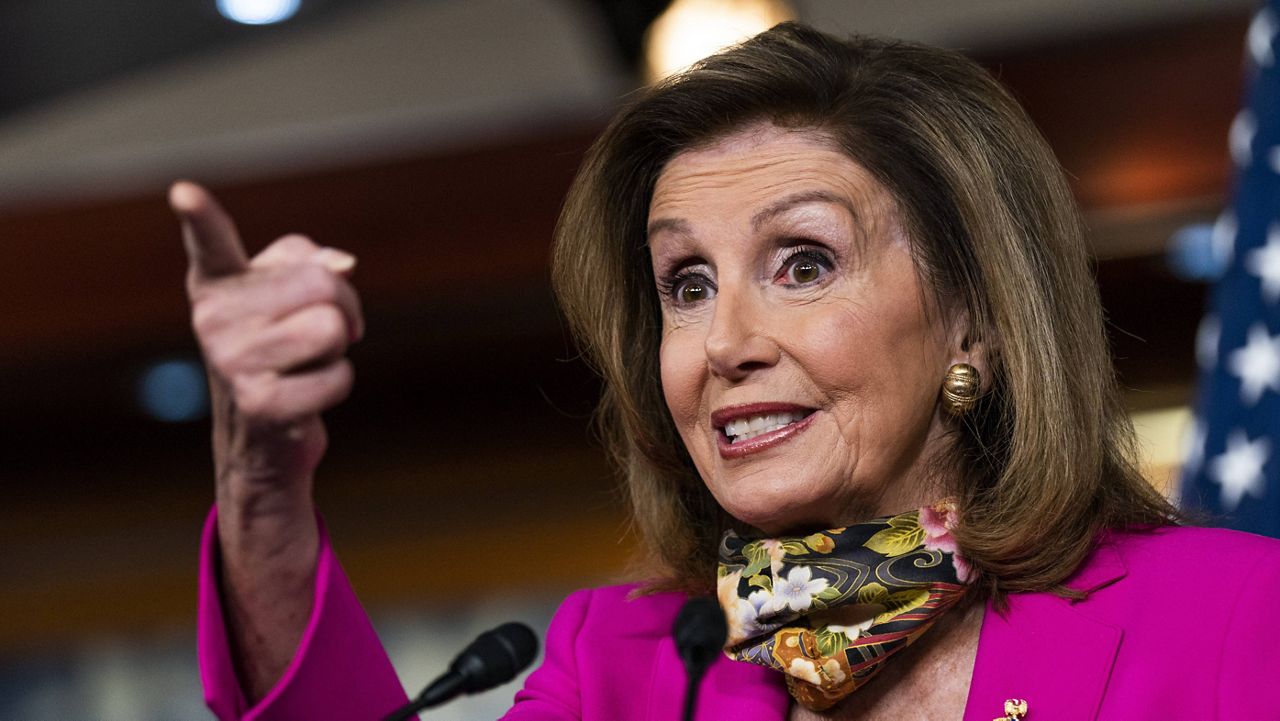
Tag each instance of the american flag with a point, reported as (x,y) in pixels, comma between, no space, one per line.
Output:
(1232,469)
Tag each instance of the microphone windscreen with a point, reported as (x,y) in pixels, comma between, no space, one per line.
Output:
(700,633)
(496,656)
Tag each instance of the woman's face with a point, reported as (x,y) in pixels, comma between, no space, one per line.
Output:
(801,360)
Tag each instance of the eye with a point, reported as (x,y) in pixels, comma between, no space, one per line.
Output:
(805,271)
(689,288)
(804,267)
(692,291)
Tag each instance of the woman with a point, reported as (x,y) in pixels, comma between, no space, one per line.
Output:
(857,379)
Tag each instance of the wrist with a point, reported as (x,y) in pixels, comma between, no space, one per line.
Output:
(271,526)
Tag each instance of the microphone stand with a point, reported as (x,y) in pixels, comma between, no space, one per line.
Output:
(442,689)
(494,658)
(691,697)
(699,632)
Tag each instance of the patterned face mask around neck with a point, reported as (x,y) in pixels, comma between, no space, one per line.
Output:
(828,609)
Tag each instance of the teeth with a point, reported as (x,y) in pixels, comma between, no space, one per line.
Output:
(742,429)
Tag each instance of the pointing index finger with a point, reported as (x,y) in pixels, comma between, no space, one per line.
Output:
(208,233)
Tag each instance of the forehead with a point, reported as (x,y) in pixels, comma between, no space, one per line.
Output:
(761,163)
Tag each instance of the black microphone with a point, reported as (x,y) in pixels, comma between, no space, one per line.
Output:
(494,658)
(700,632)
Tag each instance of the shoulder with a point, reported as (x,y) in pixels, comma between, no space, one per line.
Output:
(1191,538)
(1182,550)
(1142,575)
(1206,589)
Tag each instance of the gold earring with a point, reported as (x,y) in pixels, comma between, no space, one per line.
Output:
(960,389)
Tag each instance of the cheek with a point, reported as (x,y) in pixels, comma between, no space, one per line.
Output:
(838,351)
(680,368)
(874,364)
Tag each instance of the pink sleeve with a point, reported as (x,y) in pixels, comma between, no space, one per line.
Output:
(340,671)
(551,693)
(1250,665)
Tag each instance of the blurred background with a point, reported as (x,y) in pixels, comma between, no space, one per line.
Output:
(435,139)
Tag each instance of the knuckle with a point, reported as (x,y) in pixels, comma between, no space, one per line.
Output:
(293,245)
(343,380)
(284,251)
(206,317)
(329,325)
(346,372)
(254,395)
(222,359)
(317,282)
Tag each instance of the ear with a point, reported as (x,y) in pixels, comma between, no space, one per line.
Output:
(973,344)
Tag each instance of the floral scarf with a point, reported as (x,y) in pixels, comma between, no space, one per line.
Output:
(828,609)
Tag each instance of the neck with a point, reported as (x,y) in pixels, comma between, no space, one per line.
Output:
(930,679)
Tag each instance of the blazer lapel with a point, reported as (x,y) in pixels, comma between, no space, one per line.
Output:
(1048,651)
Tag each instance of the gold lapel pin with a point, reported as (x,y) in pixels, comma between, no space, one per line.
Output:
(1015,709)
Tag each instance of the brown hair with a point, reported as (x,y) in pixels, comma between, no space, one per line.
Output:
(1046,460)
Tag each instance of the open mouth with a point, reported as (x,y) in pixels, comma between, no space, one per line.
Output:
(740,430)
(749,428)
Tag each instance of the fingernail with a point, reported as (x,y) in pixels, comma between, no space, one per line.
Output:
(336,260)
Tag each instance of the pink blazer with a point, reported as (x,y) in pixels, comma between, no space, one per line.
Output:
(1179,623)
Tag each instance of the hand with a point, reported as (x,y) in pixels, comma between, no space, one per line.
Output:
(274,331)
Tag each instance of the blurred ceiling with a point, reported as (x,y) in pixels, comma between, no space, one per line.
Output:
(110,99)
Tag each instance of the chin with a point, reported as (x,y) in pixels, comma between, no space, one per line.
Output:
(787,515)
(780,521)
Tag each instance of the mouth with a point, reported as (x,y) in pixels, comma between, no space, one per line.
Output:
(754,427)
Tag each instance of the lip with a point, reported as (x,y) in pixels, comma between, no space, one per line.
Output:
(723,416)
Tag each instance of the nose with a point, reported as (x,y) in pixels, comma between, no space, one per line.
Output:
(738,340)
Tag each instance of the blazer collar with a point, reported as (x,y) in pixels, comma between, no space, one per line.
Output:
(1048,650)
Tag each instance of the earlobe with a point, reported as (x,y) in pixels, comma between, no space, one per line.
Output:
(968,377)
(961,389)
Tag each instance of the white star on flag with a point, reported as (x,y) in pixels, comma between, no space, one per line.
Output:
(1264,262)
(1257,364)
(1261,32)
(1239,470)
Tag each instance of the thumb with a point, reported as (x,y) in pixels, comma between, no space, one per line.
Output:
(208,233)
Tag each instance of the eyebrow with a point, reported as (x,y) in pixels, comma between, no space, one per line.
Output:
(675,225)
(791,201)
